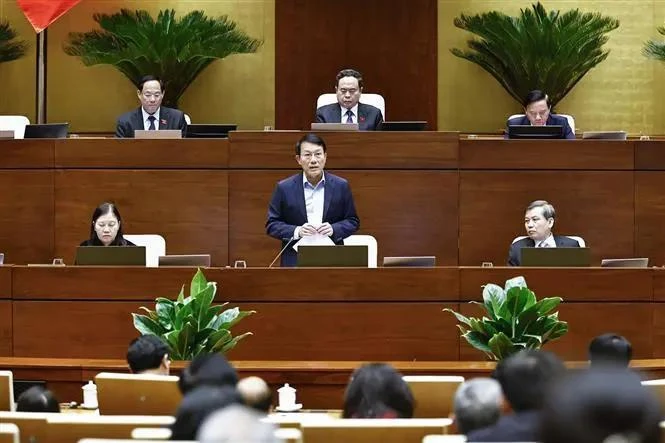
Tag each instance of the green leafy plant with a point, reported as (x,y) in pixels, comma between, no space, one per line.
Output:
(551,51)
(191,325)
(515,320)
(176,50)
(654,49)
(10,47)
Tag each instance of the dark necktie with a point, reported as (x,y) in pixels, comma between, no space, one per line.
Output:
(152,123)
(349,116)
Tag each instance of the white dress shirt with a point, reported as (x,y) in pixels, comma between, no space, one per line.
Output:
(354,117)
(547,243)
(314,199)
(146,122)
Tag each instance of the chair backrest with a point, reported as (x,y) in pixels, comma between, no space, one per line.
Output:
(290,421)
(6,391)
(453,438)
(188,119)
(70,428)
(579,240)
(288,435)
(658,388)
(16,123)
(31,425)
(365,240)
(375,100)
(433,394)
(151,434)
(571,120)
(137,394)
(398,430)
(9,433)
(155,246)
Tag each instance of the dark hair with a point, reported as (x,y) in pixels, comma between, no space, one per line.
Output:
(536,96)
(349,73)
(377,390)
(146,352)
(37,399)
(548,209)
(525,377)
(310,138)
(103,209)
(610,349)
(595,405)
(197,405)
(150,78)
(207,370)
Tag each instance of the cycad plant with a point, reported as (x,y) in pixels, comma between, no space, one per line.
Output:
(11,48)
(550,51)
(654,49)
(176,50)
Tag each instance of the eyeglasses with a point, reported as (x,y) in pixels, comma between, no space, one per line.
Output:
(148,96)
(309,155)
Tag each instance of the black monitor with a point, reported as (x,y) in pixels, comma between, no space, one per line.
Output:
(403,126)
(535,132)
(209,131)
(50,130)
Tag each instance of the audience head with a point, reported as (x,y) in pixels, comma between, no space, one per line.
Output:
(607,405)
(197,405)
(539,220)
(377,390)
(37,399)
(151,93)
(610,349)
(537,107)
(477,404)
(525,377)
(148,354)
(255,393)
(349,87)
(311,156)
(207,370)
(106,226)
(236,423)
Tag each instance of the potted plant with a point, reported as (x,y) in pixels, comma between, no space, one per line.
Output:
(192,325)
(514,320)
(10,47)
(654,49)
(550,51)
(175,50)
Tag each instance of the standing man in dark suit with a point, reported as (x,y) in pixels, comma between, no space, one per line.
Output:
(151,116)
(311,202)
(537,113)
(538,221)
(348,108)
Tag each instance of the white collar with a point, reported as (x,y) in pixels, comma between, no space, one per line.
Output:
(549,241)
(305,181)
(354,110)
(156,115)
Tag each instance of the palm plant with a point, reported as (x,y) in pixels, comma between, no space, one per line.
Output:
(176,50)
(10,47)
(654,49)
(551,51)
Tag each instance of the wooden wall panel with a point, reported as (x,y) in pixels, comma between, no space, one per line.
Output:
(6,334)
(188,208)
(650,216)
(392,46)
(595,205)
(27,153)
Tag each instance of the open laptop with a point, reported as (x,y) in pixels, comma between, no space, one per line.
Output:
(50,130)
(334,126)
(202,260)
(137,394)
(333,256)
(7,134)
(561,257)
(535,132)
(110,256)
(605,135)
(624,262)
(161,134)
(209,130)
(425,261)
(403,126)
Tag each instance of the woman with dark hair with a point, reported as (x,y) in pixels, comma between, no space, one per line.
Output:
(377,390)
(197,405)
(37,399)
(106,227)
(207,370)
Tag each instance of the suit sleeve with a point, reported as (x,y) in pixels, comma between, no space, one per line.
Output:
(568,131)
(182,124)
(319,118)
(350,223)
(513,256)
(121,129)
(378,120)
(276,226)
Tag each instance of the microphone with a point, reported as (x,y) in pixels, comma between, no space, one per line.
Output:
(281,252)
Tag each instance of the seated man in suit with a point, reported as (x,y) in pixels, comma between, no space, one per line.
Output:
(349,109)
(310,202)
(151,116)
(537,113)
(538,221)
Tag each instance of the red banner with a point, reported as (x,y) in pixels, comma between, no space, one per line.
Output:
(41,13)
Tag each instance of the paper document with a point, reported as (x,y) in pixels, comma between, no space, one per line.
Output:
(314,240)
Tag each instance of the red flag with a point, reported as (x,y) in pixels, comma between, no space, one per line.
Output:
(41,13)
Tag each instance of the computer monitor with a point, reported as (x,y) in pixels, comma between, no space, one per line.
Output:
(333,256)
(110,255)
(202,260)
(403,126)
(556,257)
(50,130)
(426,261)
(642,262)
(535,132)
(158,135)
(605,135)
(334,126)
(209,130)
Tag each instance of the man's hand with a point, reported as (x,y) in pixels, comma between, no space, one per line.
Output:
(325,229)
(307,230)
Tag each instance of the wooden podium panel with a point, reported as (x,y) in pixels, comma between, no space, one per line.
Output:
(650,216)
(26,154)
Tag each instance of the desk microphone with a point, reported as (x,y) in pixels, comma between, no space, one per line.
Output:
(281,252)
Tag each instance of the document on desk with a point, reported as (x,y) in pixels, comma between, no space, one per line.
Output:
(314,240)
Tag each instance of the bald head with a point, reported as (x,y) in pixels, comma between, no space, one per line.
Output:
(255,393)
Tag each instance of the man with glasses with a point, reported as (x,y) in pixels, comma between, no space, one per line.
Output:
(151,116)
(537,113)
(348,109)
